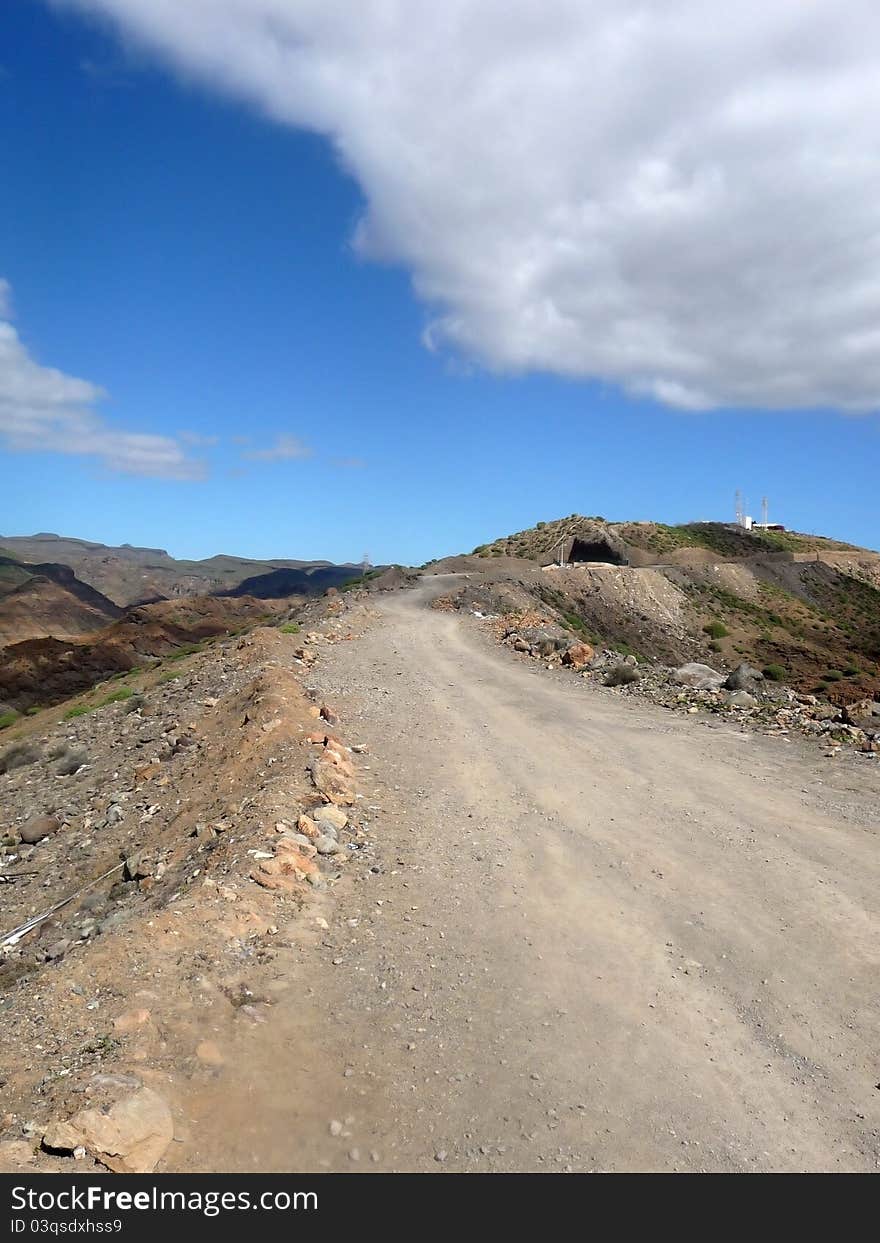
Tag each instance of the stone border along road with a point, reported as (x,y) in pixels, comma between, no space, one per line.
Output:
(599,937)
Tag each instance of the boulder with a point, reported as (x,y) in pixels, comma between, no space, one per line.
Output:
(860,713)
(698,677)
(331,781)
(130,1138)
(741,699)
(330,814)
(743,678)
(622,675)
(544,641)
(38,827)
(578,655)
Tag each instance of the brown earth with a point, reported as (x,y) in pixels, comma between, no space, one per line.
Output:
(38,672)
(169,812)
(575,932)
(41,600)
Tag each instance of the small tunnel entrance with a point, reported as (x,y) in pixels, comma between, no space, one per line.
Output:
(595,550)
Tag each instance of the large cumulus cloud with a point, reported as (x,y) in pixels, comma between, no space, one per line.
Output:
(677,196)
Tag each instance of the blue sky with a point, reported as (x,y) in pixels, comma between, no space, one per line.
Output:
(170,243)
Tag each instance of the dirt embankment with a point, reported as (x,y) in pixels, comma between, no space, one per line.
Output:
(181,839)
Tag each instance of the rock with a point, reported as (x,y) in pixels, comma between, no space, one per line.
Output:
(859,713)
(329,715)
(139,867)
(544,641)
(621,675)
(38,827)
(130,1138)
(698,677)
(287,870)
(741,699)
(58,950)
(306,844)
(330,814)
(578,655)
(15,1152)
(131,1020)
(327,846)
(330,781)
(520,645)
(339,759)
(743,678)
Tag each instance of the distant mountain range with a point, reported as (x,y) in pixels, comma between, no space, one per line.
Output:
(55,585)
(127,575)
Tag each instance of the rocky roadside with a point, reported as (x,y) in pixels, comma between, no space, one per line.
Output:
(742,695)
(158,854)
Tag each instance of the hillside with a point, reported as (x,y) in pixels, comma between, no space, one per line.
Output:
(127,575)
(48,599)
(42,671)
(803,606)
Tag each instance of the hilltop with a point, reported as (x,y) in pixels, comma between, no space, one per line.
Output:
(803,607)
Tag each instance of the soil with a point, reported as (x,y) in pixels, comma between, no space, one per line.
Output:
(575,932)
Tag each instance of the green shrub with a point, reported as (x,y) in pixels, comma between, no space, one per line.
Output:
(34,709)
(188,649)
(716,630)
(289,628)
(170,675)
(774,673)
(7,719)
(833,675)
(79,710)
(124,692)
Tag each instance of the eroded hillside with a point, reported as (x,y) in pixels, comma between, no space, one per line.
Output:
(804,607)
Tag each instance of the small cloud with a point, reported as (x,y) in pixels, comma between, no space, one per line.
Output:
(42,410)
(285,448)
(349,463)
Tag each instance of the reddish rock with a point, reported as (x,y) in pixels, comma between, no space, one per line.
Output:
(578,655)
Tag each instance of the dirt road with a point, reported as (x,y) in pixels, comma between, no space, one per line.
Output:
(599,937)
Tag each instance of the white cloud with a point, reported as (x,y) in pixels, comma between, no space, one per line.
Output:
(678,196)
(44,410)
(285,448)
